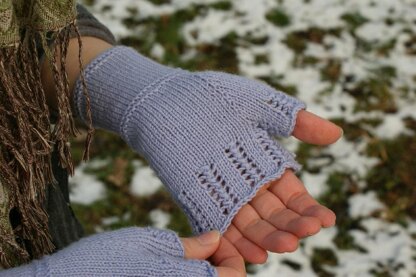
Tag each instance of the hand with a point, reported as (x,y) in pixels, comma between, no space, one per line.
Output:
(282,212)
(207,135)
(138,252)
(228,261)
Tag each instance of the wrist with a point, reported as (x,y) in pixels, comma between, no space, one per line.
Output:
(92,47)
(116,79)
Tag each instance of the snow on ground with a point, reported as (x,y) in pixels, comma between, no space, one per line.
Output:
(315,183)
(86,188)
(383,245)
(144,181)
(160,219)
(278,264)
(365,204)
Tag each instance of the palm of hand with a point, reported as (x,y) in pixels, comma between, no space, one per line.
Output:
(282,212)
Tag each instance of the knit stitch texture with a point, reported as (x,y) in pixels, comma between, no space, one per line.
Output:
(206,134)
(132,251)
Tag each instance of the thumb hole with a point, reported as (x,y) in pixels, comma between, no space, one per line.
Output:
(201,247)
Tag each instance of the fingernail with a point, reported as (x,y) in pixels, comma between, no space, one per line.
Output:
(209,238)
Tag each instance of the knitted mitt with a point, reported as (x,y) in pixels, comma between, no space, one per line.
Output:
(132,251)
(206,134)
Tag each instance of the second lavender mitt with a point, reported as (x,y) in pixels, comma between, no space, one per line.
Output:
(206,134)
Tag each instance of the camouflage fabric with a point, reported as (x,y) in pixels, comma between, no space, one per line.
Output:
(41,15)
(28,30)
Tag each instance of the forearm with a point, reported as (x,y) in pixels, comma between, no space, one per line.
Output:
(92,47)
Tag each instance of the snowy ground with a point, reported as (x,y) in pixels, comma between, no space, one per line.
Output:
(353,61)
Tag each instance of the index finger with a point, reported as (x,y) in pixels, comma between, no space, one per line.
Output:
(313,129)
(228,260)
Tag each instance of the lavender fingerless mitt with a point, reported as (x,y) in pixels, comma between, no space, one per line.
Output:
(206,134)
(133,251)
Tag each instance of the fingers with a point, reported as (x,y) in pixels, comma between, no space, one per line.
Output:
(291,191)
(247,249)
(313,129)
(201,247)
(225,256)
(270,208)
(262,233)
(228,261)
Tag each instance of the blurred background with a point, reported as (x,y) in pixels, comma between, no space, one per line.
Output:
(351,61)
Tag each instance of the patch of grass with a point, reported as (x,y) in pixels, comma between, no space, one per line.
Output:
(389,21)
(394,178)
(165,30)
(222,5)
(278,17)
(380,48)
(332,71)
(410,123)
(298,40)
(358,130)
(384,48)
(364,46)
(354,20)
(133,11)
(321,258)
(373,94)
(387,269)
(276,83)
(294,265)
(221,56)
(116,175)
(341,186)
(386,73)
(120,201)
(410,45)
(303,61)
(261,59)
(159,2)
(106,8)
(115,205)
(257,40)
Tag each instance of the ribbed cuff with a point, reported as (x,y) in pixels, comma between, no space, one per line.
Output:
(114,79)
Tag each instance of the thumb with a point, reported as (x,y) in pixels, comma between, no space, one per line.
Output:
(202,246)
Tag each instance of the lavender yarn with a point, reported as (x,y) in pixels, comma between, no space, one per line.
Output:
(206,134)
(132,251)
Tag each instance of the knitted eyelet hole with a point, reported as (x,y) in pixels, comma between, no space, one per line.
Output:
(279,103)
(213,183)
(270,148)
(239,158)
(196,216)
